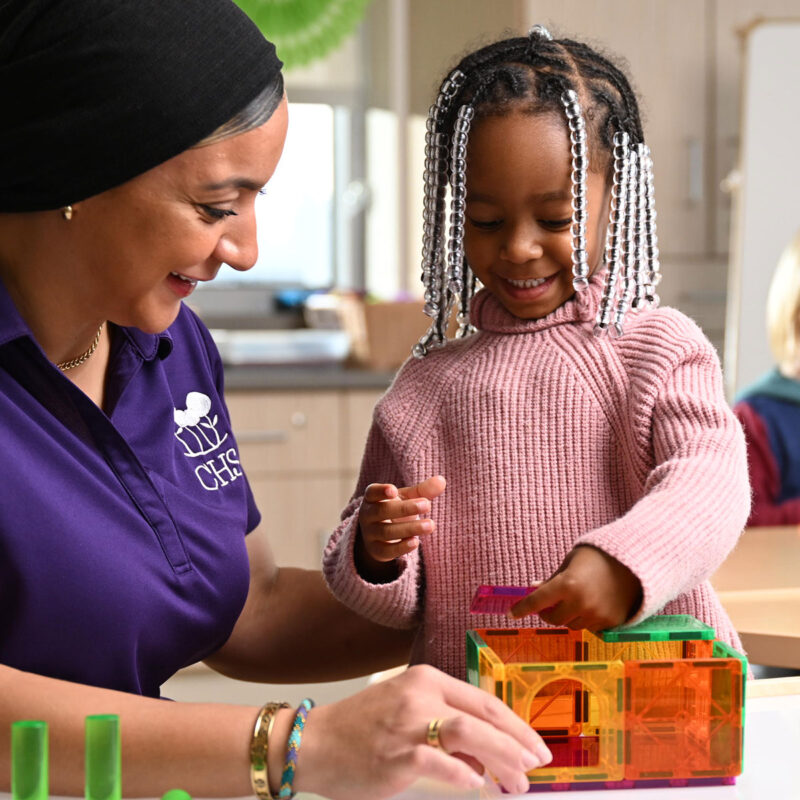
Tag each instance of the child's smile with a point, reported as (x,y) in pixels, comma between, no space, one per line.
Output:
(519,212)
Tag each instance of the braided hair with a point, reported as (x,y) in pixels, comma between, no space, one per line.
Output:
(538,74)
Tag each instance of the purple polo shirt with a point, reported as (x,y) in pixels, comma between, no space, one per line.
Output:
(122,533)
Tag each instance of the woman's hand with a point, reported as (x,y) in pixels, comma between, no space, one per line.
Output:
(391,520)
(589,590)
(373,745)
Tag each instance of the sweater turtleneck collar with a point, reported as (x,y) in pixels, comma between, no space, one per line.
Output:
(487,313)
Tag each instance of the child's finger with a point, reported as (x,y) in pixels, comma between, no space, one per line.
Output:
(389,551)
(395,510)
(430,488)
(376,492)
(387,533)
(546,596)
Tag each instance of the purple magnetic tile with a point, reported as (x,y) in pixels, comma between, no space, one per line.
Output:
(497,599)
(627,784)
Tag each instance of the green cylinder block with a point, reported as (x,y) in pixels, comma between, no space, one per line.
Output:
(29,760)
(103,758)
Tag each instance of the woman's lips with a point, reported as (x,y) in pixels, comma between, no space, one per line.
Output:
(181,285)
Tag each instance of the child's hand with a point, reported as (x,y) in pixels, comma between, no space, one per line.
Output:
(589,590)
(390,521)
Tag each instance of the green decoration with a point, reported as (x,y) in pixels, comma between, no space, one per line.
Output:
(304,30)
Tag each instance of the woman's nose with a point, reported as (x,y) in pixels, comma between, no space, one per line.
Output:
(521,244)
(238,246)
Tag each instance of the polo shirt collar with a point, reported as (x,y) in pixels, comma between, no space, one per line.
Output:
(149,345)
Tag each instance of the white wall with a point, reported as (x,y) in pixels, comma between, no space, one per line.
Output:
(767,212)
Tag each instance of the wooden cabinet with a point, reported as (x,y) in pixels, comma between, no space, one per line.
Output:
(301,451)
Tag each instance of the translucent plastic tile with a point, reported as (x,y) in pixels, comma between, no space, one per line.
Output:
(577,709)
(683,719)
(533,645)
(598,650)
(660,628)
(497,599)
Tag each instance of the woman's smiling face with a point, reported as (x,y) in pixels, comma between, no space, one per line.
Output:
(144,245)
(517,236)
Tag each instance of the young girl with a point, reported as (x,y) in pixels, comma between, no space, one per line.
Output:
(606,467)
(769,410)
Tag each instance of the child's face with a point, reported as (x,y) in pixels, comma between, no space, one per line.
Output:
(518,215)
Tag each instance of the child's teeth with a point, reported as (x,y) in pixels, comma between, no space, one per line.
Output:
(527,284)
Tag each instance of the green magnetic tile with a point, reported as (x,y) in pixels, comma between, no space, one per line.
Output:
(474,645)
(724,650)
(660,628)
(538,667)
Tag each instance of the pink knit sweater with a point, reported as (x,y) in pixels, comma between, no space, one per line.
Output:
(551,437)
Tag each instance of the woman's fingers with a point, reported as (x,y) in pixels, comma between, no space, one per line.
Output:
(376,743)
(483,706)
(438,765)
(501,754)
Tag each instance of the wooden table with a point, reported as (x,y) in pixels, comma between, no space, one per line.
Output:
(759,585)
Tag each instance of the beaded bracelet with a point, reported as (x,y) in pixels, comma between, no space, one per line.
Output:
(259,748)
(292,748)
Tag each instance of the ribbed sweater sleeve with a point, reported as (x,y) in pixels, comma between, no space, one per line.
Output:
(395,604)
(696,498)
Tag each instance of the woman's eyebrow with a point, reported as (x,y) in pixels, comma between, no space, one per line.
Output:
(233,183)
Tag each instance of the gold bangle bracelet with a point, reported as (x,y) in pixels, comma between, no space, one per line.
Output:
(259,750)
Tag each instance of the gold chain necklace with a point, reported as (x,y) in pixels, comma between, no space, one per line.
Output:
(83,357)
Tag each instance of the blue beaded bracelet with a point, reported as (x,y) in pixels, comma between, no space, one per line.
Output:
(292,748)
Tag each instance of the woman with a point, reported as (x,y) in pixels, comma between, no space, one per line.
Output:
(136,135)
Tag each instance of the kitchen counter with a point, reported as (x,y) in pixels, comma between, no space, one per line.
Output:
(303,376)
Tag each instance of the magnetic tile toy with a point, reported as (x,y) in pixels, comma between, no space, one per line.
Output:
(660,703)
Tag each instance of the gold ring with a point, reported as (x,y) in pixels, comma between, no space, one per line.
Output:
(432,736)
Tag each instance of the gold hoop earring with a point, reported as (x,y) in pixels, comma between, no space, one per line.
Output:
(66,212)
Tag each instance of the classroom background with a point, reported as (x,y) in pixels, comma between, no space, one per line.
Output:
(305,334)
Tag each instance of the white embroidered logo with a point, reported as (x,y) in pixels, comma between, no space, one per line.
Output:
(198,434)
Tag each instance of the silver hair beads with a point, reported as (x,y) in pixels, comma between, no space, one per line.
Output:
(458,186)
(540,32)
(651,238)
(631,240)
(616,230)
(437,300)
(580,165)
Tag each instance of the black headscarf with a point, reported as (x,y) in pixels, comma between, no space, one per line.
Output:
(95,92)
